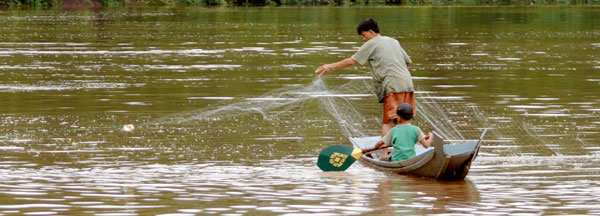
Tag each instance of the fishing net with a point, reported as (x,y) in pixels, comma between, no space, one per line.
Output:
(352,105)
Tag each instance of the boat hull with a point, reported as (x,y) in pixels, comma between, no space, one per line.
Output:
(443,162)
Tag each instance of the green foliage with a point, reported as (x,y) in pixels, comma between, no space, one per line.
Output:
(307,2)
(111,3)
(35,4)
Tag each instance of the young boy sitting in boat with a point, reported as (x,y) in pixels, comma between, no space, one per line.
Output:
(404,136)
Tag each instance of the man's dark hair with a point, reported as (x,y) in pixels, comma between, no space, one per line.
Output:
(368,24)
(405,111)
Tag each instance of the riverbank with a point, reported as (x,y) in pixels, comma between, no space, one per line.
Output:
(74,4)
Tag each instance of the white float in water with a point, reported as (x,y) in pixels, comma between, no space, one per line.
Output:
(128,128)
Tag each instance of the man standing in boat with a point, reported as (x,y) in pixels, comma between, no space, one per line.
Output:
(389,67)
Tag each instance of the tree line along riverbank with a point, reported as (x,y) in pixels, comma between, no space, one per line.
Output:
(41,4)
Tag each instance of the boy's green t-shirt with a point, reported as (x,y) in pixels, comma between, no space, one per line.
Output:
(404,137)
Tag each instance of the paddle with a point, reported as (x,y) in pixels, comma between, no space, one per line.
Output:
(340,157)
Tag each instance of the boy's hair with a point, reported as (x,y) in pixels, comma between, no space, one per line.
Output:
(405,111)
(368,24)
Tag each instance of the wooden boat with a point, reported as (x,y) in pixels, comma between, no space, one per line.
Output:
(440,161)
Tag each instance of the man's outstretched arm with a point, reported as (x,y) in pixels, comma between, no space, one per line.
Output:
(337,65)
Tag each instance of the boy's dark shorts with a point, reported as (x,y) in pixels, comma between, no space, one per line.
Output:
(391,102)
(387,159)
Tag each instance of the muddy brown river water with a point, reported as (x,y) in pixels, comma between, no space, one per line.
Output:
(229,116)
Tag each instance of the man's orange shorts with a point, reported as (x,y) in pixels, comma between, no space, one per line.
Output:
(391,102)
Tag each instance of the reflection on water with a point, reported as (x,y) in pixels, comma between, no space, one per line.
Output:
(407,195)
(229,116)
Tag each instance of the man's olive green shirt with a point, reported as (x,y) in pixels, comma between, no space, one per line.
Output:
(388,61)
